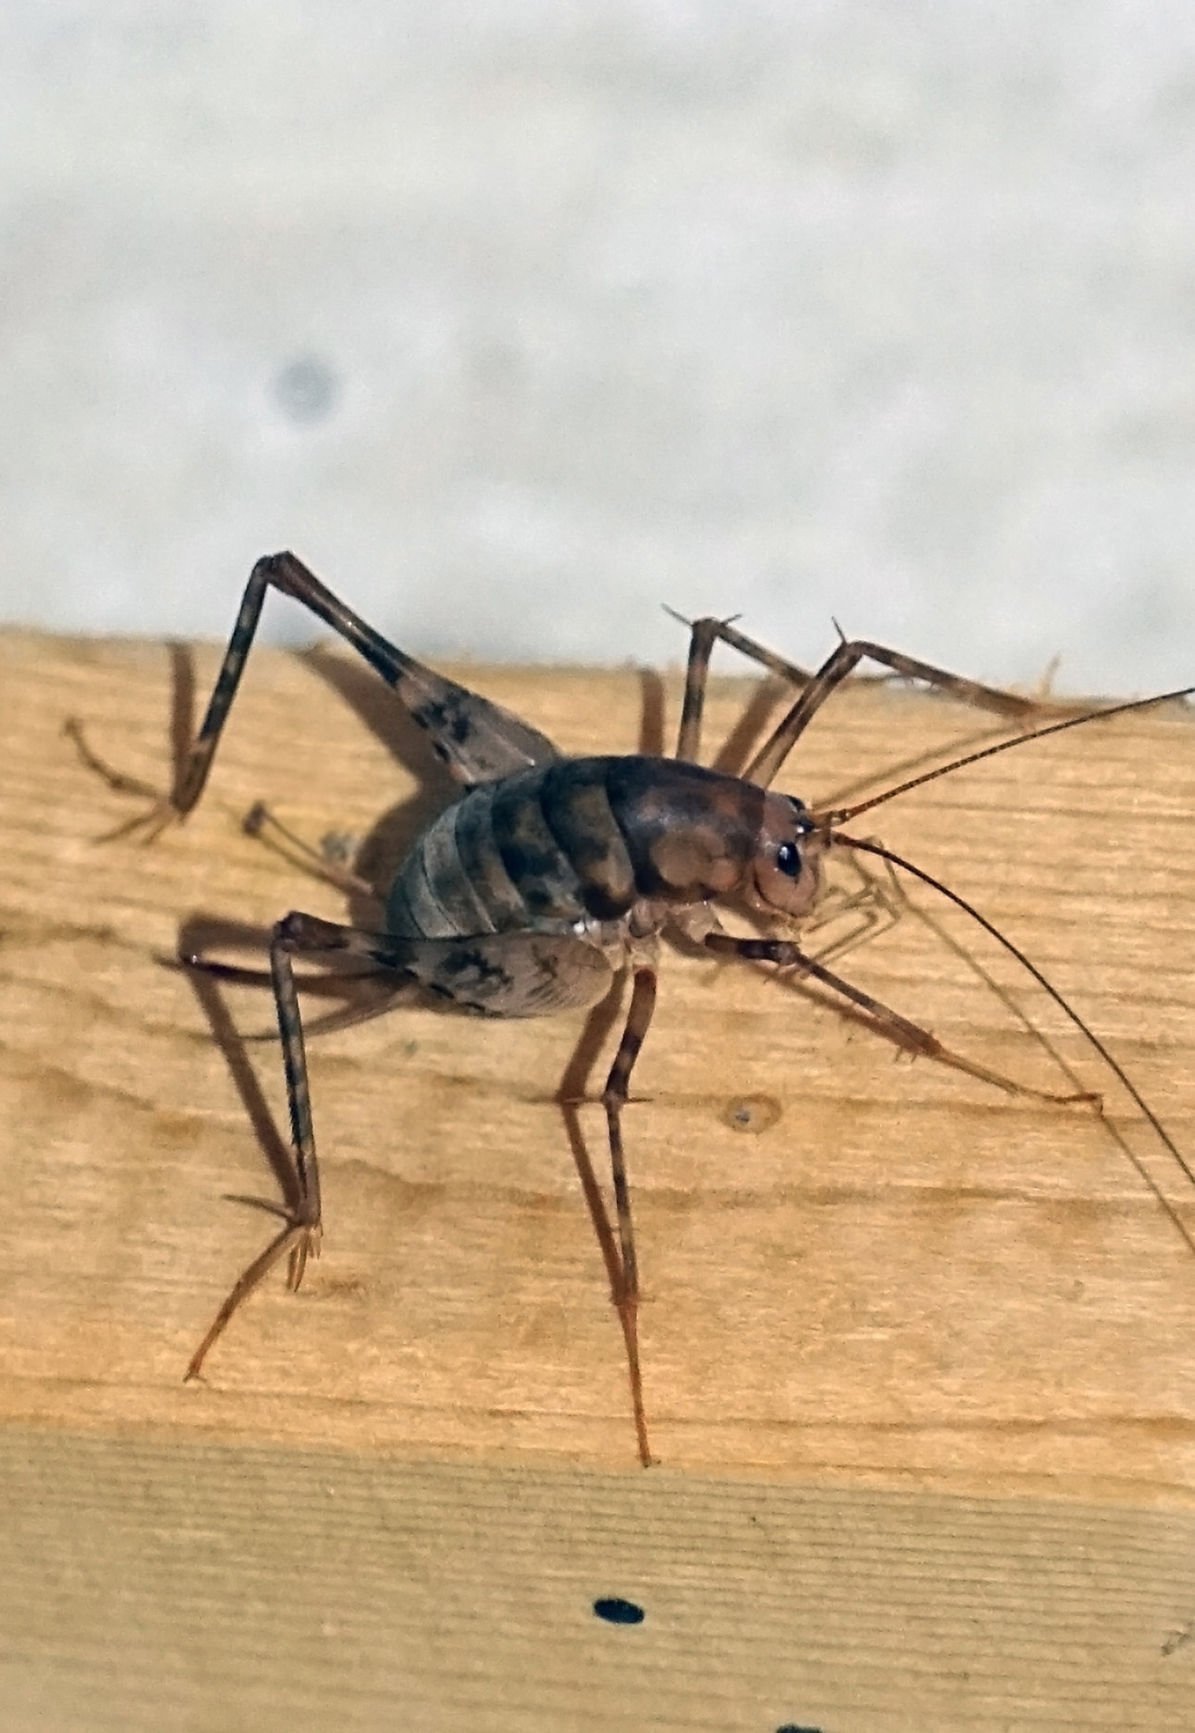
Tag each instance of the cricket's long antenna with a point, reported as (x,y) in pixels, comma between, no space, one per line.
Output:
(843,814)
(1047,986)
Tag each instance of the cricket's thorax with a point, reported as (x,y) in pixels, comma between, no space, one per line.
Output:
(581,839)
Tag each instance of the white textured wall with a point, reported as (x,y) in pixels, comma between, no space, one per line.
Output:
(518,319)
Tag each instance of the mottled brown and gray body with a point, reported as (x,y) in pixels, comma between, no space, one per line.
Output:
(523,896)
(578,841)
(549,875)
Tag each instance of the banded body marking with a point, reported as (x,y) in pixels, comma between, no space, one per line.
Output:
(581,839)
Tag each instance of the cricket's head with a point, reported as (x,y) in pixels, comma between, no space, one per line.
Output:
(786,873)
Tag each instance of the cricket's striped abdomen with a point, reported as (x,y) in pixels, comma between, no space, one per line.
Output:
(580,838)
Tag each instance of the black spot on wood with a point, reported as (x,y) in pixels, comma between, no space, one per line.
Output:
(616,1611)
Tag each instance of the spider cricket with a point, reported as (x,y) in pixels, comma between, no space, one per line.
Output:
(548,877)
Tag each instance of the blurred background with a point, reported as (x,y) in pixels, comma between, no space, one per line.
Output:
(517,320)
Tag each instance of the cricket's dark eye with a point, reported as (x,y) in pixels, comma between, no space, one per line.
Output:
(788,860)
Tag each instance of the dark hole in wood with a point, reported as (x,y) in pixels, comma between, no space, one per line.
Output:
(616,1611)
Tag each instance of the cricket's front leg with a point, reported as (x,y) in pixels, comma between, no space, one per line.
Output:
(910,1037)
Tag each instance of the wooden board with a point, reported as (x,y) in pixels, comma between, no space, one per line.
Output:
(859,1273)
(201,1586)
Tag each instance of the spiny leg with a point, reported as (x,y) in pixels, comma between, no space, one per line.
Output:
(300,1237)
(817,687)
(477,739)
(908,1036)
(840,664)
(614,1099)
(704,634)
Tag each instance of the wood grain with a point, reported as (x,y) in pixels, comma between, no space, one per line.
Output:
(219,1588)
(859,1274)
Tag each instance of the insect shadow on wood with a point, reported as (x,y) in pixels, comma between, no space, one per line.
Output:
(547,883)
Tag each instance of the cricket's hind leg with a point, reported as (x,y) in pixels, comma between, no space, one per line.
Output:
(477,739)
(302,1231)
(502,974)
